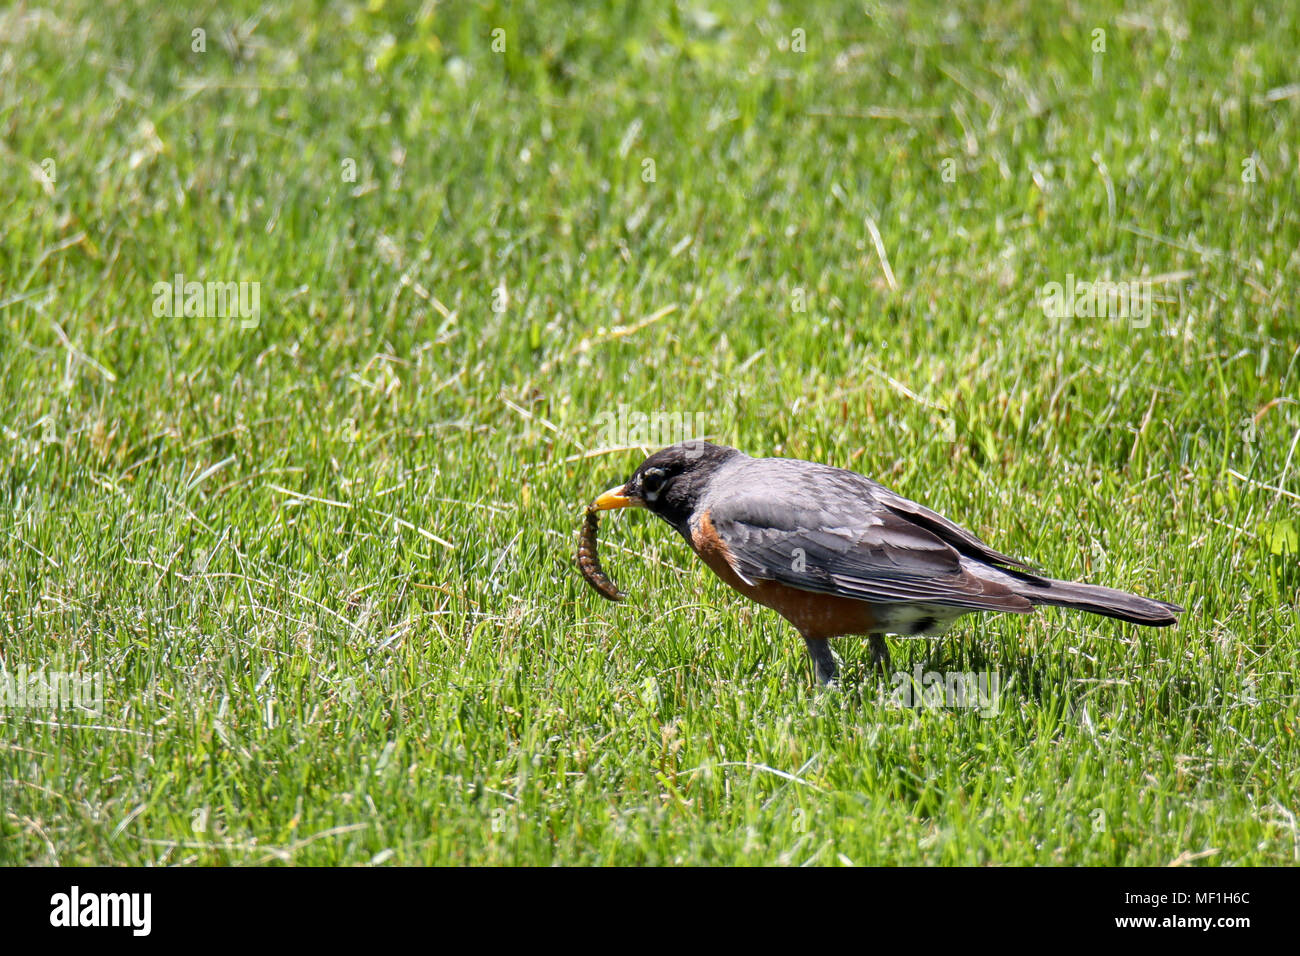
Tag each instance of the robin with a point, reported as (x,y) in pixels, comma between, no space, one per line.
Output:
(836,553)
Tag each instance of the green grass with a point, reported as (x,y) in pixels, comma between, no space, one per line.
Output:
(323,565)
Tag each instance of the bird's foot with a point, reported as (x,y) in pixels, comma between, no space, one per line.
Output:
(880,658)
(819,649)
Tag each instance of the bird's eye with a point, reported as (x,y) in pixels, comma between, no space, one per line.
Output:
(652,481)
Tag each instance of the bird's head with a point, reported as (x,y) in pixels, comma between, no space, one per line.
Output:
(670,482)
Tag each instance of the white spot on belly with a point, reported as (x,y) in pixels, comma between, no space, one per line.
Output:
(903,619)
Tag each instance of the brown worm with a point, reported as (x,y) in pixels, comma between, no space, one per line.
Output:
(589,563)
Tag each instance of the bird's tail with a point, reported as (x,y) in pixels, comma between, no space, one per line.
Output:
(1100,600)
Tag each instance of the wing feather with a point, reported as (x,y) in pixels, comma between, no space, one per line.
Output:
(836,532)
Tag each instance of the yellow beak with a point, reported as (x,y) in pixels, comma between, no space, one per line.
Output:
(614,498)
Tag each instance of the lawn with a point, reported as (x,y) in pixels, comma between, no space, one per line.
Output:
(312,547)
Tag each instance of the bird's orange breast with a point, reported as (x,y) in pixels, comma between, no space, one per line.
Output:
(816,615)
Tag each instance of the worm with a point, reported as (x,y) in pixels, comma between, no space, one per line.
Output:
(589,563)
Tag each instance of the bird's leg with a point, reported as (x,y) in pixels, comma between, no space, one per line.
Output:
(819,649)
(880,653)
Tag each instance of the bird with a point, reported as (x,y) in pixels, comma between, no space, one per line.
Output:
(836,553)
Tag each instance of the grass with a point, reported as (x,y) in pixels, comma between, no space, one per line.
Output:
(323,565)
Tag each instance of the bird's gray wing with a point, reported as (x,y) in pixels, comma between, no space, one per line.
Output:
(952,534)
(835,532)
